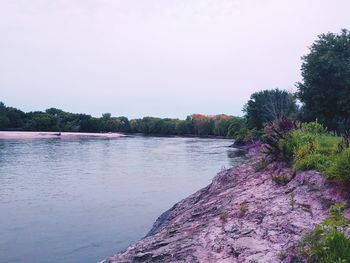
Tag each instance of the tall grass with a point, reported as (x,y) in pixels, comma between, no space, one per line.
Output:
(327,243)
(311,147)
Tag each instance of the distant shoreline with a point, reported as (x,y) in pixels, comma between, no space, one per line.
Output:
(179,136)
(55,134)
(41,135)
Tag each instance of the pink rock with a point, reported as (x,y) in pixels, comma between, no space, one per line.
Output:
(242,216)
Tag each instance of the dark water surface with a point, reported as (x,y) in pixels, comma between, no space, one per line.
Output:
(80,200)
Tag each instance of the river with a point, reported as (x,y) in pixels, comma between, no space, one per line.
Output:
(80,200)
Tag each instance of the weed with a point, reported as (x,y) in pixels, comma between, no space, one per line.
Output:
(306,207)
(292,200)
(280,179)
(260,165)
(327,243)
(223,217)
(282,255)
(243,208)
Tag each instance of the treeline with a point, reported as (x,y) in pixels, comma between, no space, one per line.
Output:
(58,120)
(323,95)
(313,136)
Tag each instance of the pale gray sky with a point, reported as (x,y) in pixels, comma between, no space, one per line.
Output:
(155,57)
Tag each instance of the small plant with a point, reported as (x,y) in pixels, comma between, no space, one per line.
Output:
(313,128)
(280,179)
(282,255)
(275,134)
(260,165)
(345,143)
(292,200)
(223,217)
(306,207)
(327,243)
(340,167)
(243,208)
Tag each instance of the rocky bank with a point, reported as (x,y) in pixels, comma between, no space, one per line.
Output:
(242,216)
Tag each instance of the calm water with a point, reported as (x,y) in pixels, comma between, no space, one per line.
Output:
(84,199)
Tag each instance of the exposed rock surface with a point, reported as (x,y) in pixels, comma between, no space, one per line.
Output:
(242,216)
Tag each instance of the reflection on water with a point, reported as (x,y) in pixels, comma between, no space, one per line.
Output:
(84,199)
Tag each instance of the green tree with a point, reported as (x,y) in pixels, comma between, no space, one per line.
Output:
(325,89)
(41,121)
(123,124)
(236,125)
(269,105)
(184,127)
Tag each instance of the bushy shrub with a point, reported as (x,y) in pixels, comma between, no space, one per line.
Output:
(313,161)
(238,130)
(327,243)
(236,124)
(313,151)
(311,147)
(276,139)
(313,128)
(340,167)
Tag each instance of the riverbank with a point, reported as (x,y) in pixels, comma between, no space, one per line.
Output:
(242,216)
(40,135)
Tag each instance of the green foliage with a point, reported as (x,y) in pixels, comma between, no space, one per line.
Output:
(236,124)
(327,243)
(310,161)
(325,90)
(268,105)
(184,127)
(313,128)
(58,120)
(311,147)
(276,139)
(243,208)
(247,135)
(260,165)
(280,179)
(203,125)
(238,130)
(340,167)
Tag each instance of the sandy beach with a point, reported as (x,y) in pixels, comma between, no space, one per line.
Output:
(40,135)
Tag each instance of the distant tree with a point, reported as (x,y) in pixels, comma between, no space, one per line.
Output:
(203,125)
(135,125)
(236,125)
(4,122)
(3,108)
(54,119)
(325,89)
(54,111)
(123,124)
(221,124)
(41,121)
(93,125)
(168,126)
(268,105)
(154,125)
(184,127)
(107,123)
(16,117)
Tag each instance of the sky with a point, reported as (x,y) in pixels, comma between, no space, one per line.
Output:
(165,58)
